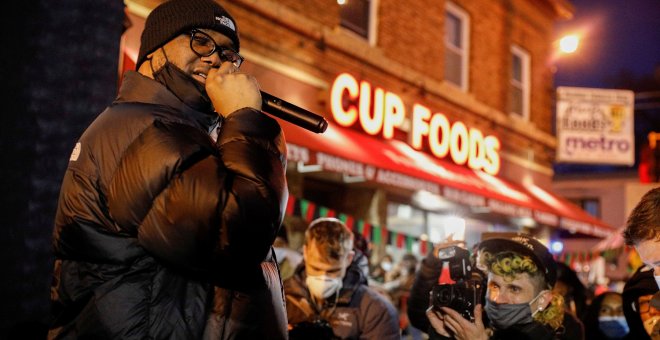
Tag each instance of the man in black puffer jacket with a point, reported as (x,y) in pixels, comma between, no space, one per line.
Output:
(173,196)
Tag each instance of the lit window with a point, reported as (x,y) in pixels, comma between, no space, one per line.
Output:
(519,91)
(358,16)
(457,34)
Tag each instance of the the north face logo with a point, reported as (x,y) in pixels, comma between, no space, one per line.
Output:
(226,22)
(76,152)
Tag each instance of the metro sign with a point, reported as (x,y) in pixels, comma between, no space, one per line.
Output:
(379,112)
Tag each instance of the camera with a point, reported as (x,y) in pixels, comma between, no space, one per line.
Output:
(468,288)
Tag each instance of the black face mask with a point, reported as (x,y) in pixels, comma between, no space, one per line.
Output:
(184,87)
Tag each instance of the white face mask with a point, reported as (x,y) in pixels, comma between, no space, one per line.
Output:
(657,280)
(322,286)
(387,266)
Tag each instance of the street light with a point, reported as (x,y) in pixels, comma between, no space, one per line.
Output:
(564,48)
(569,43)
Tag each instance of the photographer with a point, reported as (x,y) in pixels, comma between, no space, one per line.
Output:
(426,277)
(519,301)
(328,297)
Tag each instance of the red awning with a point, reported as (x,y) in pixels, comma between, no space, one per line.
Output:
(395,163)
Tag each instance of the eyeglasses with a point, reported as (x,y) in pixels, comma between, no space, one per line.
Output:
(644,306)
(203,45)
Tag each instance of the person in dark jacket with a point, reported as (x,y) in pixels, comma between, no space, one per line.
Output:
(328,297)
(571,288)
(519,301)
(604,317)
(173,196)
(642,317)
(426,277)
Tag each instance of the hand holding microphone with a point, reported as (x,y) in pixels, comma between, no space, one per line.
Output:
(229,91)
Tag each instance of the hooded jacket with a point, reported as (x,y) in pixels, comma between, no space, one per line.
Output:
(639,284)
(160,232)
(357,312)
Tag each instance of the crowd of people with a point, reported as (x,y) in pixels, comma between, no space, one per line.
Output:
(525,293)
(169,223)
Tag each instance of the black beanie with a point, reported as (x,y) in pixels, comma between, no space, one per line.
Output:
(174,17)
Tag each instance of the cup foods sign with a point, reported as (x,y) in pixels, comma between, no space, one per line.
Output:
(379,112)
(595,126)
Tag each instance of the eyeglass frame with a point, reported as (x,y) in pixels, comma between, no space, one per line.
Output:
(216,48)
(644,306)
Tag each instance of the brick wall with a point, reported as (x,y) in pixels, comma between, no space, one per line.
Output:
(408,57)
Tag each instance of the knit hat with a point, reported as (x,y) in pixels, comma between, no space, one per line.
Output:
(175,17)
(525,245)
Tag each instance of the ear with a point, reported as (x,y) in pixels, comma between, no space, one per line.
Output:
(350,256)
(544,300)
(153,61)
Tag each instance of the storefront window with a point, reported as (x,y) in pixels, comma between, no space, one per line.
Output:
(441,227)
(405,219)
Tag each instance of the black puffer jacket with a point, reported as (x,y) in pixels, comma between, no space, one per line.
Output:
(161,232)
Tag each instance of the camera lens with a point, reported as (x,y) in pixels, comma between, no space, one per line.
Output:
(444,296)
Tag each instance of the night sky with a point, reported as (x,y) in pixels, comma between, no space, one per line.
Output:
(619,36)
(619,49)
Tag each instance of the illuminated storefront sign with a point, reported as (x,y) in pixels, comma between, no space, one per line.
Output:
(379,112)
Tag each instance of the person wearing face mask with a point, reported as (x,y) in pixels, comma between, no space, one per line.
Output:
(604,318)
(328,290)
(642,316)
(173,196)
(519,300)
(380,270)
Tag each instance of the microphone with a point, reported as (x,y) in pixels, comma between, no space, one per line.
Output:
(292,113)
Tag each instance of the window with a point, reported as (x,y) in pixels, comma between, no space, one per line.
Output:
(519,90)
(356,15)
(456,46)
(589,205)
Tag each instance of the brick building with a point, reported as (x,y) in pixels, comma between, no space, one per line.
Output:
(482,68)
